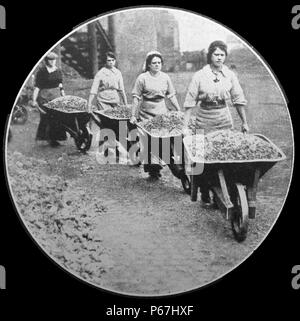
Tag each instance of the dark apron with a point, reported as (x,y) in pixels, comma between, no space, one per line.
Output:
(49,129)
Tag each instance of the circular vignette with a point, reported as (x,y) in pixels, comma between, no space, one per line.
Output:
(156,251)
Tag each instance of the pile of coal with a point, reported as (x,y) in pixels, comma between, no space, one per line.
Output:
(228,145)
(169,124)
(119,112)
(68,103)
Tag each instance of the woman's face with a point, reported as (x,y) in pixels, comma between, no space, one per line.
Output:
(51,62)
(110,62)
(155,65)
(218,58)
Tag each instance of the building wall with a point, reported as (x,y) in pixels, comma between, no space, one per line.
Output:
(168,38)
(132,34)
(138,32)
(135,35)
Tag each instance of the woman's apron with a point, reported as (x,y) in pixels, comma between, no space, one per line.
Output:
(49,128)
(48,94)
(108,98)
(150,108)
(211,116)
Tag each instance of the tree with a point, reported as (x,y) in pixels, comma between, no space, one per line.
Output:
(93,53)
(111,31)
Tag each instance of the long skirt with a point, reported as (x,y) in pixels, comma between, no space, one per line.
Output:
(49,129)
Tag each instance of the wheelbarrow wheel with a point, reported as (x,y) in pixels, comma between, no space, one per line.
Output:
(84,140)
(240,215)
(19,115)
(186,184)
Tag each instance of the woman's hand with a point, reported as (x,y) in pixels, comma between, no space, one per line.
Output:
(174,102)
(211,97)
(186,131)
(245,128)
(133,120)
(208,97)
(34,103)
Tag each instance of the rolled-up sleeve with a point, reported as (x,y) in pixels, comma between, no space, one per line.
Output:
(138,88)
(96,83)
(191,98)
(237,94)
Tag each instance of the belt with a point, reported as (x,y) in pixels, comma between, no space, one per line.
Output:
(100,89)
(155,100)
(216,104)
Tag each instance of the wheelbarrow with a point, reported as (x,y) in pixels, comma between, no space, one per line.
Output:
(120,126)
(233,184)
(164,149)
(19,114)
(74,122)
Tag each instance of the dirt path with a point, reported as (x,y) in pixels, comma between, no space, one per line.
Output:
(128,234)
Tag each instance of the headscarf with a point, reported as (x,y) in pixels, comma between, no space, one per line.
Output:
(153,52)
(51,56)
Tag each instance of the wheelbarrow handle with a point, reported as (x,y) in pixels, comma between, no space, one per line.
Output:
(41,110)
(95,117)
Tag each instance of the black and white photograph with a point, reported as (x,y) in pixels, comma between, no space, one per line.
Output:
(149,153)
(140,225)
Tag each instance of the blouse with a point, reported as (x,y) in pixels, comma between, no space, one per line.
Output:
(106,84)
(226,86)
(46,80)
(153,87)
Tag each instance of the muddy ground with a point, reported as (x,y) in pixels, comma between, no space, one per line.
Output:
(111,226)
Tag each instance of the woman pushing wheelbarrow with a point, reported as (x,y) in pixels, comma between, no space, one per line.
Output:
(48,86)
(150,91)
(231,163)
(210,91)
